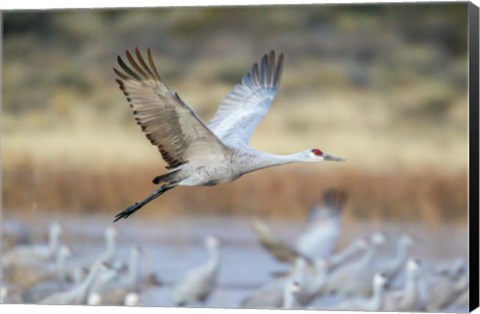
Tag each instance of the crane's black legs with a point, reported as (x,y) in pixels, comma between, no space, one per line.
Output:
(130,210)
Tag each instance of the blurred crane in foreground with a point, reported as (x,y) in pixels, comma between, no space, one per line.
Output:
(198,283)
(319,237)
(291,291)
(408,298)
(277,247)
(288,285)
(198,154)
(36,252)
(114,290)
(340,281)
(372,303)
(322,230)
(418,285)
(79,293)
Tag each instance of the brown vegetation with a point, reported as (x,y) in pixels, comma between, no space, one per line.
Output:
(275,193)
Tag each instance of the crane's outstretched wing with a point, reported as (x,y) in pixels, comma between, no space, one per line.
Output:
(248,102)
(323,228)
(168,122)
(279,249)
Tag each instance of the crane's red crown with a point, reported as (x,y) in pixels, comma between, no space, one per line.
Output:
(317,152)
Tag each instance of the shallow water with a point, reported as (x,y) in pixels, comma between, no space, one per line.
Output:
(171,247)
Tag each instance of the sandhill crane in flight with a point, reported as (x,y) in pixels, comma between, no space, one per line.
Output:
(196,153)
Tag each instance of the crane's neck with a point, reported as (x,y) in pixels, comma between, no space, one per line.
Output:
(60,264)
(53,240)
(410,292)
(81,291)
(109,252)
(368,256)
(378,297)
(214,258)
(317,283)
(345,255)
(289,297)
(133,269)
(253,159)
(396,264)
(403,250)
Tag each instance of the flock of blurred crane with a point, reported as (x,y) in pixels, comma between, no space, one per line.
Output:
(369,274)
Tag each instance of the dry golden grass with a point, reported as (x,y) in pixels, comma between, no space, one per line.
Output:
(398,194)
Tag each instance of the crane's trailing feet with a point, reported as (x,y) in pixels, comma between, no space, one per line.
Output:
(130,210)
(199,154)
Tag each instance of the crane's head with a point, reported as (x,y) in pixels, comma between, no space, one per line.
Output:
(360,244)
(65,251)
(110,233)
(378,238)
(55,229)
(294,287)
(321,264)
(94,298)
(413,264)
(316,154)
(136,251)
(131,299)
(212,242)
(407,240)
(379,280)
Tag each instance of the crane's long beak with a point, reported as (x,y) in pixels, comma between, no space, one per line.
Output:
(333,158)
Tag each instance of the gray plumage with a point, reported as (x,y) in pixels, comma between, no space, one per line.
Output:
(290,295)
(75,268)
(268,296)
(196,153)
(408,298)
(314,282)
(198,283)
(353,279)
(370,303)
(35,253)
(53,282)
(114,289)
(78,294)
(27,265)
(322,231)
(9,296)
(272,294)
(14,233)
(391,267)
(348,254)
(273,244)
(444,288)
(132,299)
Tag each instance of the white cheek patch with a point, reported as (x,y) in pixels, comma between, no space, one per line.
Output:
(315,157)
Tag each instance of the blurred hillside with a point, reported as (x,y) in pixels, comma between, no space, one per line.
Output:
(383,85)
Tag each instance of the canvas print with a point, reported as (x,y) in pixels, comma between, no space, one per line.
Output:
(281,156)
